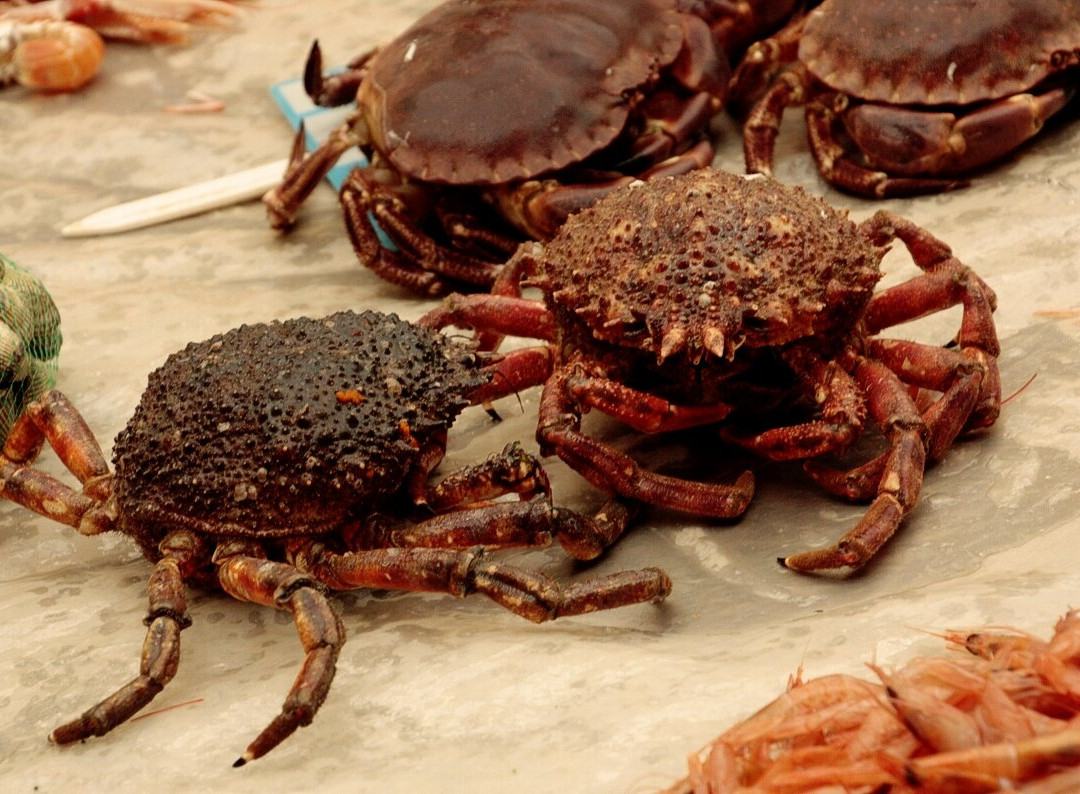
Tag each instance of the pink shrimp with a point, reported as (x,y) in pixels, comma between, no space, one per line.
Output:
(49,55)
(1006,717)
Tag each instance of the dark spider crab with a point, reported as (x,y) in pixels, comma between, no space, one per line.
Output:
(900,98)
(710,299)
(272,461)
(487,121)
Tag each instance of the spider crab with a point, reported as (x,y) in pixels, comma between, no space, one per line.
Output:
(946,87)
(486,122)
(274,461)
(710,299)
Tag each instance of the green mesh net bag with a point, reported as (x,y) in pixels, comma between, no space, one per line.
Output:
(29,341)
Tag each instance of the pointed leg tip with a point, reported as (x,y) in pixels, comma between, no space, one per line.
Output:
(782,561)
(239,762)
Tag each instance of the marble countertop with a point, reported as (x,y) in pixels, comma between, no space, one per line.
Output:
(438,694)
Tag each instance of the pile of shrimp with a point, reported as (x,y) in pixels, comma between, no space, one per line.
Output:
(1005,715)
(58,45)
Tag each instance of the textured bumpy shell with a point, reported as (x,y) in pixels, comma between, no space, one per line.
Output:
(937,51)
(284,428)
(708,262)
(483,93)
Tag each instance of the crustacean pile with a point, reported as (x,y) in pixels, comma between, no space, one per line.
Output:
(1004,717)
(58,45)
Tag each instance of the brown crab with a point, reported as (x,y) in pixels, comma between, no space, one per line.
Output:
(487,121)
(274,461)
(900,98)
(710,299)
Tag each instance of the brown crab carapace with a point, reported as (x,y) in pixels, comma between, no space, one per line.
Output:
(487,123)
(908,98)
(713,300)
(279,460)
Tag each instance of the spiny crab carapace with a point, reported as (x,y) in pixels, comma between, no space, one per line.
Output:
(279,460)
(717,301)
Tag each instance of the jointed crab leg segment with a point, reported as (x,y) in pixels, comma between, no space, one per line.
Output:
(283,586)
(898,488)
(842,411)
(961,377)
(946,283)
(500,313)
(513,470)
(165,619)
(637,409)
(495,525)
(968,380)
(501,524)
(59,423)
(305,171)
(615,472)
(530,594)
(54,419)
(429,267)
(763,123)
(837,167)
(513,372)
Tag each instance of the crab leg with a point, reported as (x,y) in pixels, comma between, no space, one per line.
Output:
(640,410)
(761,63)
(946,283)
(898,488)
(762,124)
(420,263)
(283,586)
(165,619)
(476,522)
(305,171)
(530,594)
(958,377)
(495,525)
(615,472)
(837,167)
(511,471)
(907,140)
(540,206)
(842,412)
(54,419)
(500,314)
(968,380)
(515,371)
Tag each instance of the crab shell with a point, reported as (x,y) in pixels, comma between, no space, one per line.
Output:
(466,96)
(706,263)
(937,52)
(286,428)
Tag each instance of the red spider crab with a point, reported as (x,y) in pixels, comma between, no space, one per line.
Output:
(274,461)
(487,121)
(900,98)
(715,300)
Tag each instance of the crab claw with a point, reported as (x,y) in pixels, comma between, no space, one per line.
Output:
(334,90)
